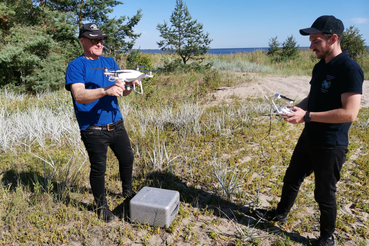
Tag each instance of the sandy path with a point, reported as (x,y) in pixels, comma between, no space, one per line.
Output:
(294,87)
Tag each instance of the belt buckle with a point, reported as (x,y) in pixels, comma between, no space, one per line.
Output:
(110,127)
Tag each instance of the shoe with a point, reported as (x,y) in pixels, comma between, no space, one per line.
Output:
(325,242)
(270,216)
(105,214)
(128,195)
(127,198)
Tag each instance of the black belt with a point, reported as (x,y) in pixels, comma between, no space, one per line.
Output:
(108,127)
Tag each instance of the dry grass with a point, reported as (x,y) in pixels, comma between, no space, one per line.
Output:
(224,160)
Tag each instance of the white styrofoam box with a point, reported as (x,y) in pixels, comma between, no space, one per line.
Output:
(155,206)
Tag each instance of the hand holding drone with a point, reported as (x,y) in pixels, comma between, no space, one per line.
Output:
(128,76)
(280,110)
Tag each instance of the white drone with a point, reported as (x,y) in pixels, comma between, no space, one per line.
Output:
(128,76)
(280,110)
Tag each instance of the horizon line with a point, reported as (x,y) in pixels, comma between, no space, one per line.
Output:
(219,48)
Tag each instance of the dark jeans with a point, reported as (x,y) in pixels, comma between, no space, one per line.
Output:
(326,163)
(97,143)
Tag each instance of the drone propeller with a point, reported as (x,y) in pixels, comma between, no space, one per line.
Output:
(106,69)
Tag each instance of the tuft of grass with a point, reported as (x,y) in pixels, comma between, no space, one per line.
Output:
(227,156)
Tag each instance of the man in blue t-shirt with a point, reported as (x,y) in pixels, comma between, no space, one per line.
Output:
(328,111)
(97,111)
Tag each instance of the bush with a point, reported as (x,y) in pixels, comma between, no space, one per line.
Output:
(32,61)
(289,48)
(353,42)
(136,58)
(273,46)
(178,66)
(288,51)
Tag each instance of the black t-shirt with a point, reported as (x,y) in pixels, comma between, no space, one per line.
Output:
(329,81)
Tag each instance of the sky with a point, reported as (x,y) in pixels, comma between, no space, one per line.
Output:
(245,23)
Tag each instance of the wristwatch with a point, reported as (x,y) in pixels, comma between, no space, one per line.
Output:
(307,117)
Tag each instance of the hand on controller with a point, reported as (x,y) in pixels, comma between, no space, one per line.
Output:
(284,110)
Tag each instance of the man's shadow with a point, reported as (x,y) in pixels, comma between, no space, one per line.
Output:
(197,196)
(200,197)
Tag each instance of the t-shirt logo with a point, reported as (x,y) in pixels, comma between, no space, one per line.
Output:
(327,83)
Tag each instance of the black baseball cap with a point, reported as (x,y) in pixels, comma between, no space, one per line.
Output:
(91,31)
(325,24)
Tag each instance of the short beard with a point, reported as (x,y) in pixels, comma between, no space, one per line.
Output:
(322,55)
(325,53)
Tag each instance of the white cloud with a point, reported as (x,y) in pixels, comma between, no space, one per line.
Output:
(360,20)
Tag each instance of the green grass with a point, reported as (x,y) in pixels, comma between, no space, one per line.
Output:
(222,159)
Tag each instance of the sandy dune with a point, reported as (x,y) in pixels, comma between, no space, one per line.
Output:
(294,87)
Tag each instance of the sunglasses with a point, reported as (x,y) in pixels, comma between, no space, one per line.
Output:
(96,41)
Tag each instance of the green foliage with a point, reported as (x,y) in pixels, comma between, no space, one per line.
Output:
(38,39)
(136,58)
(34,57)
(167,125)
(273,46)
(239,66)
(363,61)
(178,66)
(288,51)
(121,36)
(353,42)
(184,36)
(289,48)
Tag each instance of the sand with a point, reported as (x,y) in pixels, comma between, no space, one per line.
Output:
(294,87)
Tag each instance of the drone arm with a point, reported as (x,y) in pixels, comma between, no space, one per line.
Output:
(131,78)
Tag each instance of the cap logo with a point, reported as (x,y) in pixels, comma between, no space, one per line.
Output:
(94,27)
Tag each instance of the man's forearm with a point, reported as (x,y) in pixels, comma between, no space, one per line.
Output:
(333,116)
(83,95)
(90,95)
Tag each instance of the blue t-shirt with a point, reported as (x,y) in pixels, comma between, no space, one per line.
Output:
(329,81)
(103,111)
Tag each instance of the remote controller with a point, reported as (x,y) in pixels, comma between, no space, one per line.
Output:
(284,110)
(280,110)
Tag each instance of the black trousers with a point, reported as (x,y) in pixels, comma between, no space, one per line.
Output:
(97,143)
(326,162)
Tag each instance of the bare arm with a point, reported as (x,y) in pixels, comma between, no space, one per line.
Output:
(83,95)
(348,112)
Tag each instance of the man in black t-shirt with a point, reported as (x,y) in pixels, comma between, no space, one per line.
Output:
(328,111)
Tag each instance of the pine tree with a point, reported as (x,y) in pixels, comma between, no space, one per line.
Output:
(39,38)
(273,46)
(121,36)
(35,45)
(289,48)
(353,42)
(184,36)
